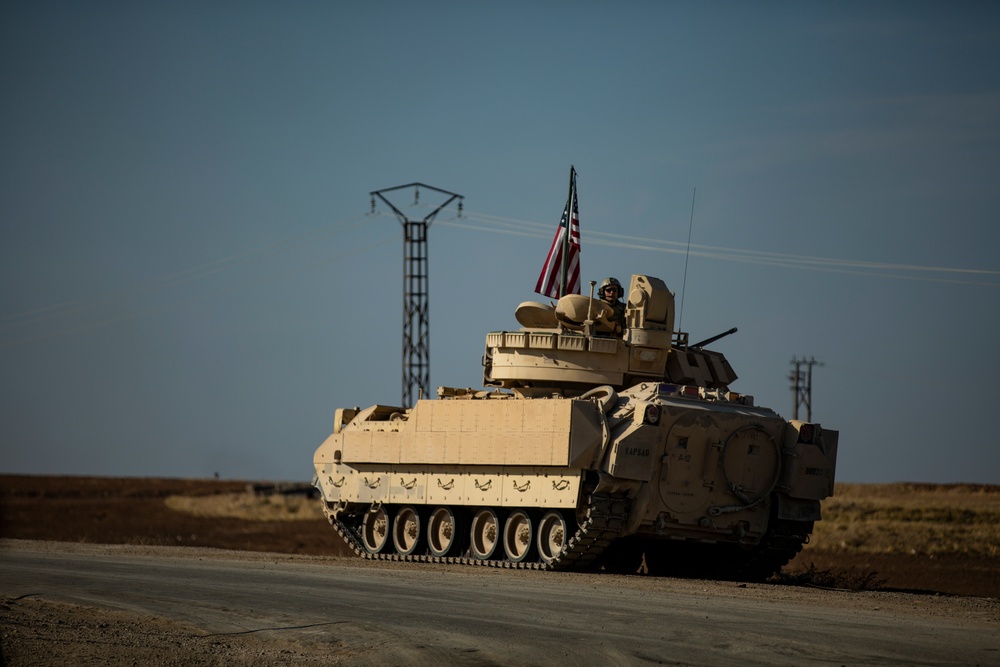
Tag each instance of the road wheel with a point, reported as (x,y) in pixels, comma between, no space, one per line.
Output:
(518,537)
(443,532)
(406,533)
(375,530)
(485,534)
(552,536)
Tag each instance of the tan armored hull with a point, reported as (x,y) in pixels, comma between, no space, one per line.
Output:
(508,453)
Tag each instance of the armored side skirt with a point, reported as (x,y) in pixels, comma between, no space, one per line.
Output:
(496,486)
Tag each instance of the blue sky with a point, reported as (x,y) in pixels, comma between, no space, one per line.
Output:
(191,280)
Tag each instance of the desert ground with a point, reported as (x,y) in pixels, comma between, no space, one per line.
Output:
(907,537)
(919,539)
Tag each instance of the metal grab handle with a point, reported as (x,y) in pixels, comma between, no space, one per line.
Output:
(340,482)
(373,485)
(524,488)
(561,485)
(447,487)
(486,486)
(406,486)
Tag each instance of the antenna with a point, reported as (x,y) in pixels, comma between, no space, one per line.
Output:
(680,317)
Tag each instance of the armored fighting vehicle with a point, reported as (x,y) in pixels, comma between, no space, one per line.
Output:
(590,447)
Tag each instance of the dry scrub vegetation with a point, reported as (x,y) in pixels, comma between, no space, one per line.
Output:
(249,506)
(905,518)
(911,519)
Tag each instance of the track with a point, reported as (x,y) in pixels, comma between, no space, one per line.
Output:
(603,521)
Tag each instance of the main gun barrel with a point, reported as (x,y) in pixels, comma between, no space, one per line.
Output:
(714,338)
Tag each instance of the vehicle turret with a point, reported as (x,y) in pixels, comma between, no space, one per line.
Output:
(570,347)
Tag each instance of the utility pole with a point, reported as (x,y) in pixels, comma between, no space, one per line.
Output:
(802,386)
(416,317)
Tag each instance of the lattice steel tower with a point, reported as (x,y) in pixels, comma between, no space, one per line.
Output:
(802,387)
(416,319)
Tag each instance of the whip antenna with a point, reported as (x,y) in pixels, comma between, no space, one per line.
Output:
(687,255)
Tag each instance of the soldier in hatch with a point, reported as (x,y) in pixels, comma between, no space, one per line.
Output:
(611,292)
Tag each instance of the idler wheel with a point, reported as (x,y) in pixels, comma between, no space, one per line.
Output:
(406,533)
(375,530)
(552,536)
(485,534)
(442,532)
(518,537)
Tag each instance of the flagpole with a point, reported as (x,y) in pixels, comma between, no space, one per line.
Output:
(569,226)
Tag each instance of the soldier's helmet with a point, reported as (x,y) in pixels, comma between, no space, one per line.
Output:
(612,282)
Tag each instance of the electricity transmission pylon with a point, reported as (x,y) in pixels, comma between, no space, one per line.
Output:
(416,317)
(802,386)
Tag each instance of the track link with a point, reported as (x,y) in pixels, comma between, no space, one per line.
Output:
(603,522)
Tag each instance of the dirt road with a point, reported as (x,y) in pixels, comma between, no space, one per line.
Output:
(160,605)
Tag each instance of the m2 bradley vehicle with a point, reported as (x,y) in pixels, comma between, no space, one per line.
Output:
(588,449)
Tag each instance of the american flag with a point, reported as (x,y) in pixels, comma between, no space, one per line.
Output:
(550,280)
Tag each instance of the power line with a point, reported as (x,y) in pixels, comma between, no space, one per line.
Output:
(117,298)
(501,225)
